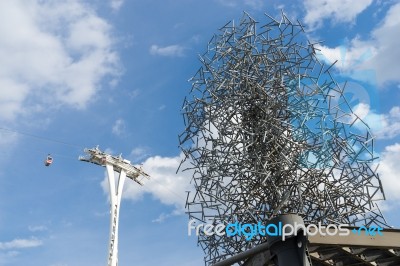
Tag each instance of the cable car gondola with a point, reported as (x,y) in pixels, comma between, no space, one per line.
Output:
(48,161)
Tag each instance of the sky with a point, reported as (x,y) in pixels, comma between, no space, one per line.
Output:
(75,74)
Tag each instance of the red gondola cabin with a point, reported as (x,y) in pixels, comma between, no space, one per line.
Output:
(48,161)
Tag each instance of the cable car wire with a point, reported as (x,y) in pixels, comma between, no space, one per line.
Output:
(41,138)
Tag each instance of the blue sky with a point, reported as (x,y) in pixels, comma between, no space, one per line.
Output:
(114,73)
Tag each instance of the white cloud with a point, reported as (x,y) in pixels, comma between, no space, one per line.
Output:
(52,53)
(6,257)
(118,127)
(164,184)
(116,4)
(171,50)
(164,216)
(138,151)
(37,228)
(134,93)
(383,126)
(21,243)
(379,54)
(389,170)
(337,10)
(353,55)
(138,154)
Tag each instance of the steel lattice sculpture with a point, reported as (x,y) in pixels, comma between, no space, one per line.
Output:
(268,131)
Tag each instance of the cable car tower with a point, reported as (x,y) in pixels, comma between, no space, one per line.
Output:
(125,169)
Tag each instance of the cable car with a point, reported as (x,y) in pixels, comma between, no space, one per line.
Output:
(48,161)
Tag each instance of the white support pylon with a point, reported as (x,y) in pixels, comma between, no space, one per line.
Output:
(115,203)
(125,169)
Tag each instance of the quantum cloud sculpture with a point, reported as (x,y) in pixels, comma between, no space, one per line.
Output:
(268,131)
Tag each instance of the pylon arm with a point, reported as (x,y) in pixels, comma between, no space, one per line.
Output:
(98,157)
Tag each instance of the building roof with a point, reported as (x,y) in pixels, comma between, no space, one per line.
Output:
(354,249)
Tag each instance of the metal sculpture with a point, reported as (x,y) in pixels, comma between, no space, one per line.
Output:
(125,169)
(269,131)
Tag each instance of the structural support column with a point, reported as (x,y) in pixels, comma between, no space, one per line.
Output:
(115,202)
(293,250)
(124,168)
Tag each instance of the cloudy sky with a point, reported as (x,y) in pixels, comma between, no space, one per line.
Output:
(114,73)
